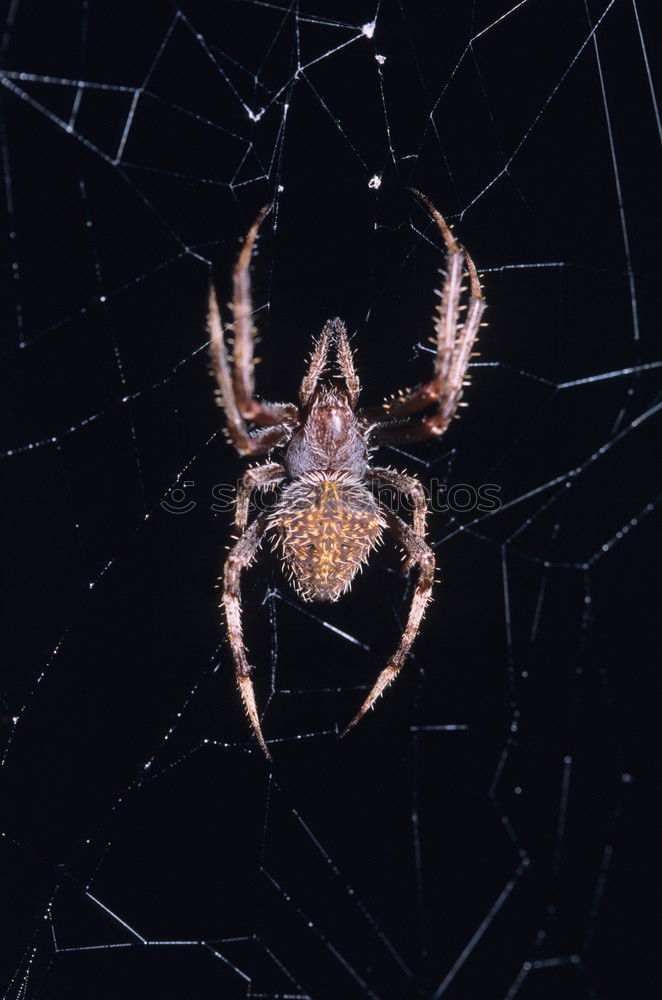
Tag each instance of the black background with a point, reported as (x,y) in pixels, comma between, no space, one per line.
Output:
(406,856)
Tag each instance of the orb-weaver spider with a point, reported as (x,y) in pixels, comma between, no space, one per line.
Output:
(327,520)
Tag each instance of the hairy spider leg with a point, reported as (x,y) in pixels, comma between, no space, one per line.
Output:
(451,244)
(421,554)
(265,414)
(240,556)
(409,487)
(317,364)
(450,394)
(245,442)
(346,363)
(236,382)
(453,345)
(333,333)
(262,477)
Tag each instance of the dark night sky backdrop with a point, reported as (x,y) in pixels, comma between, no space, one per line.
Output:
(407,861)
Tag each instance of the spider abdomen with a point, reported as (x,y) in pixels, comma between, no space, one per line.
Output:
(326,525)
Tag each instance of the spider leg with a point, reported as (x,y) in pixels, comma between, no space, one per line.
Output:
(453,345)
(239,557)
(422,554)
(334,331)
(410,487)
(259,478)
(450,395)
(244,442)
(317,364)
(250,408)
(346,363)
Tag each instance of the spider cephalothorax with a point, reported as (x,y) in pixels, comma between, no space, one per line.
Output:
(327,519)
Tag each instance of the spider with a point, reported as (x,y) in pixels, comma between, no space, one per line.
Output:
(327,521)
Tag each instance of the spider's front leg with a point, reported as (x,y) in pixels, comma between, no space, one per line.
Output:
(239,557)
(453,346)
(262,477)
(265,414)
(237,383)
(245,442)
(334,332)
(421,554)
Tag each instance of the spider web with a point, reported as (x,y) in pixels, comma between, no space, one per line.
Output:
(477,836)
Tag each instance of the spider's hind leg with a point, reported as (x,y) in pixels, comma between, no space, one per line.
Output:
(421,554)
(240,557)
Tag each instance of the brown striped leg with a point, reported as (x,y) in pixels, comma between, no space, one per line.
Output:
(453,346)
(316,365)
(346,363)
(239,557)
(421,554)
(245,442)
(265,414)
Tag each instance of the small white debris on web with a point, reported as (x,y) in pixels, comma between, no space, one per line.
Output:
(280,189)
(380,59)
(375,182)
(368,29)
